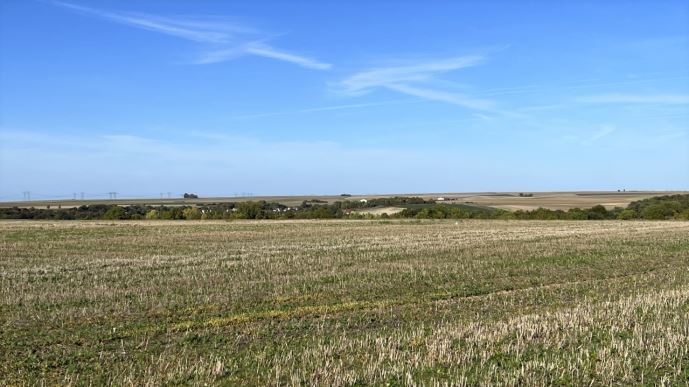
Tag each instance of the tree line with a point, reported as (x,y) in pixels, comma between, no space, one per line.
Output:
(656,208)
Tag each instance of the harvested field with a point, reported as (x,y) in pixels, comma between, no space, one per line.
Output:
(505,200)
(558,200)
(380,210)
(344,302)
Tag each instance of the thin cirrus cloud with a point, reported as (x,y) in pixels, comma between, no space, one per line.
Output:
(416,80)
(327,109)
(266,51)
(605,130)
(444,96)
(620,98)
(263,50)
(228,40)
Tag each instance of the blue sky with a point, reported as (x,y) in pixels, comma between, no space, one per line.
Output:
(221,98)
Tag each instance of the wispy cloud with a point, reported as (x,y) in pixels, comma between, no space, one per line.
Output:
(227,39)
(585,140)
(444,96)
(383,76)
(579,84)
(672,136)
(198,30)
(266,51)
(263,50)
(416,80)
(615,98)
(327,108)
(602,132)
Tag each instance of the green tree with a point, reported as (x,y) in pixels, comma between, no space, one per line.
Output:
(598,212)
(114,213)
(627,215)
(658,211)
(192,213)
(684,215)
(251,210)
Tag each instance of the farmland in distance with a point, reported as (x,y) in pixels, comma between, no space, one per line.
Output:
(504,200)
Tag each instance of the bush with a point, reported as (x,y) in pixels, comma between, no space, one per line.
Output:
(627,215)
(114,213)
(661,207)
(684,215)
(598,212)
(659,211)
(192,213)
